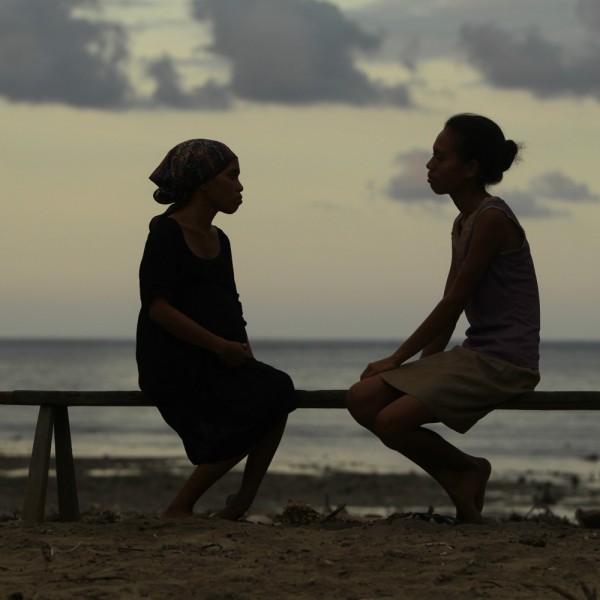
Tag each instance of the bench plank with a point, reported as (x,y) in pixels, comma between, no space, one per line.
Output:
(538,400)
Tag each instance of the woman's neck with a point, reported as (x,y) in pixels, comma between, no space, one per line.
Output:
(196,216)
(468,201)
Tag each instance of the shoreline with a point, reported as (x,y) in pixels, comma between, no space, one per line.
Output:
(135,486)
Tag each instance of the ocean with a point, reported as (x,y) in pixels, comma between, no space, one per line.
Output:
(551,443)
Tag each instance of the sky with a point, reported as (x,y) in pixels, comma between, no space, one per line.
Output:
(332,107)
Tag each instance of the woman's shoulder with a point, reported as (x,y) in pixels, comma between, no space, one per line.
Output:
(495,202)
(223,237)
(165,233)
(164,226)
(500,205)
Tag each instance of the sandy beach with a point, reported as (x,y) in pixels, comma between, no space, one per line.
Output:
(295,543)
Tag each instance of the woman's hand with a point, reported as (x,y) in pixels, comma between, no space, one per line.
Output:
(380,366)
(233,354)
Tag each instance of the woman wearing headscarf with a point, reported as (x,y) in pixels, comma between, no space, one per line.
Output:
(193,355)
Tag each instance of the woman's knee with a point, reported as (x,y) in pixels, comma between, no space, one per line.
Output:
(352,398)
(357,403)
(282,382)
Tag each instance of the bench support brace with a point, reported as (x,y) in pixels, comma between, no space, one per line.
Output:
(51,419)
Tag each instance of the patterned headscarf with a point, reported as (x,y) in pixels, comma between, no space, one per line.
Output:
(188,165)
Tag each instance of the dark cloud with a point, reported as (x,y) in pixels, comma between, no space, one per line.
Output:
(169,92)
(49,55)
(527,61)
(297,51)
(527,205)
(410,184)
(552,185)
(557,186)
(286,52)
(589,13)
(562,59)
(292,52)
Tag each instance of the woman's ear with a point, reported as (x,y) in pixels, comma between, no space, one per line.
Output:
(472,168)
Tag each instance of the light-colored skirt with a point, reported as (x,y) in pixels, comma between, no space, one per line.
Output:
(461,386)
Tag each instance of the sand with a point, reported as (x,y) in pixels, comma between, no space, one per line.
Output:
(292,545)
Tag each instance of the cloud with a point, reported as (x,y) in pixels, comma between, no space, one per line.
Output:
(557,186)
(410,185)
(527,206)
(527,61)
(49,55)
(552,185)
(287,52)
(563,59)
(294,52)
(589,13)
(415,31)
(169,92)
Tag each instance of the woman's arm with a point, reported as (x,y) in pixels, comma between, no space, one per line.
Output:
(440,343)
(181,326)
(489,237)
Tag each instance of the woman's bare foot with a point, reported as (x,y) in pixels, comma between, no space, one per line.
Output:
(235,507)
(467,490)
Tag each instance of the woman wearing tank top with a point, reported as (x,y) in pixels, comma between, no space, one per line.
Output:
(492,280)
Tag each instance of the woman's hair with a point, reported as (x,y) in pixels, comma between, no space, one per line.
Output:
(479,138)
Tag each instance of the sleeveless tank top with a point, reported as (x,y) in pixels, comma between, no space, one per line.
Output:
(504,311)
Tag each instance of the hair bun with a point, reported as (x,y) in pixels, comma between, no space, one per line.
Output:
(511,150)
(164,196)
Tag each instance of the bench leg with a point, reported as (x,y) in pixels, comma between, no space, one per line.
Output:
(37,481)
(68,503)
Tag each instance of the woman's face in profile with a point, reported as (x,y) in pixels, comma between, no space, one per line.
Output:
(446,169)
(224,191)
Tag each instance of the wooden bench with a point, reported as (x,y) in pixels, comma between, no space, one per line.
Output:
(53,418)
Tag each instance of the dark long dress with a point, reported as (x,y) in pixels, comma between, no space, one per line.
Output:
(218,412)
